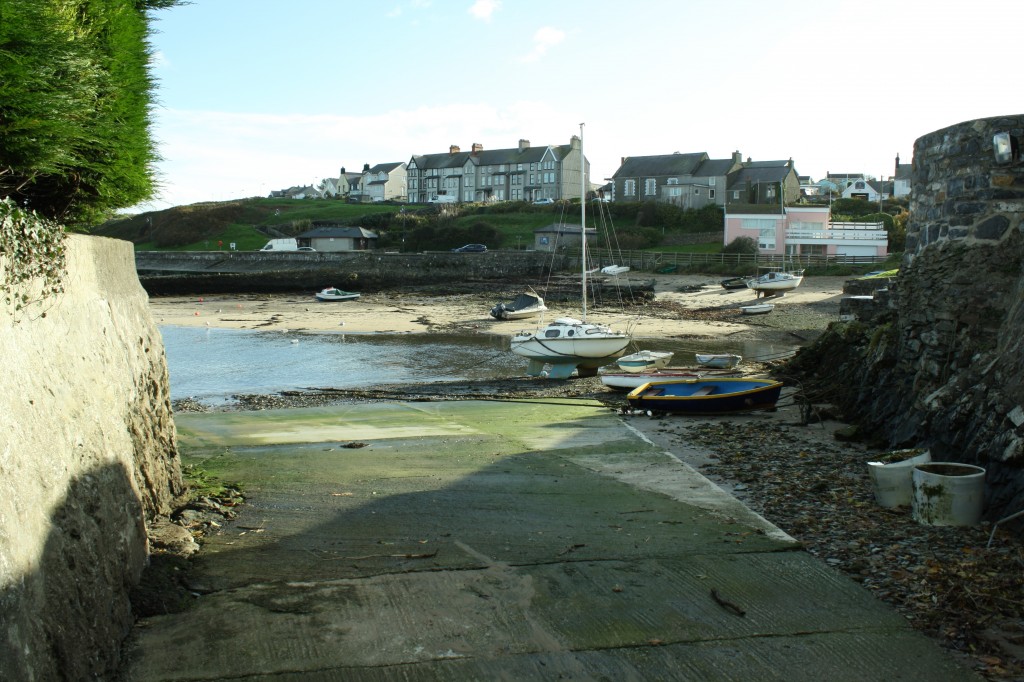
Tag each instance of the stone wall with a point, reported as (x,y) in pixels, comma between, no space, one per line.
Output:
(167,273)
(943,367)
(87,457)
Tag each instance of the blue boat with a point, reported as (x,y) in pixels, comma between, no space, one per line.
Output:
(706,395)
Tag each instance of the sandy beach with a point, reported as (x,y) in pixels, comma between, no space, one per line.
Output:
(685,306)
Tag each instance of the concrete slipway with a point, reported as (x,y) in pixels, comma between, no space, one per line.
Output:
(489,540)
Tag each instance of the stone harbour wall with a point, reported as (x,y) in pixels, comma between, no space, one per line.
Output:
(180,273)
(88,457)
(942,367)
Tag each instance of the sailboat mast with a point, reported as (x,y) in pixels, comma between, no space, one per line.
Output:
(583,227)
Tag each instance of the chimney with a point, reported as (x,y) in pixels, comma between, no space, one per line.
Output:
(622,162)
(366,168)
(524,145)
(737,157)
(454,149)
(897,164)
(575,142)
(342,171)
(477,147)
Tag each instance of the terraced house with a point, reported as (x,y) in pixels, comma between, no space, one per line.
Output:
(522,173)
(696,180)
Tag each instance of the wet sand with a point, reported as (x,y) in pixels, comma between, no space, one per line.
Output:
(685,306)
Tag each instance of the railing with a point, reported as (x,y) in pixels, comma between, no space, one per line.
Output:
(652,260)
(846,235)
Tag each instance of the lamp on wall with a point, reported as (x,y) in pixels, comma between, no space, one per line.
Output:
(1004,146)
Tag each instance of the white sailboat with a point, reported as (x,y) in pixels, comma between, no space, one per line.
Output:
(567,344)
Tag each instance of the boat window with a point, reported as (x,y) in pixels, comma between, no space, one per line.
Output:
(551,333)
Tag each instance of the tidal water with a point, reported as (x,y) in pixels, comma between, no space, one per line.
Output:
(210,365)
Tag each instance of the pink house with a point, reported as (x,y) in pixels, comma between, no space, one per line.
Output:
(807,231)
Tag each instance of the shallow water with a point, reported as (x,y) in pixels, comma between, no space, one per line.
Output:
(210,364)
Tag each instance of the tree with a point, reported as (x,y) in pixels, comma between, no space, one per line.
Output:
(75,97)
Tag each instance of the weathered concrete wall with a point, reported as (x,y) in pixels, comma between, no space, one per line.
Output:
(87,456)
(943,368)
(223,272)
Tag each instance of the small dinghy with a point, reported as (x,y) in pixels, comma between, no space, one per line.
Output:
(644,360)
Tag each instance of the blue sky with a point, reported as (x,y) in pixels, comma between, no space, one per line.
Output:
(257,95)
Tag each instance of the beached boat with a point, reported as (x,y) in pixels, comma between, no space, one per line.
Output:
(757,308)
(627,381)
(731,283)
(706,395)
(644,360)
(615,270)
(335,294)
(718,360)
(526,304)
(568,344)
(776,280)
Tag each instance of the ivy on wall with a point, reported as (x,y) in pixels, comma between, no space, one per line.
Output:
(32,252)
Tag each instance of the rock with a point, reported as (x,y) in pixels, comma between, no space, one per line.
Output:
(170,537)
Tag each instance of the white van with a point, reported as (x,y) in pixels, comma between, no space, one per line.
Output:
(442,199)
(281,245)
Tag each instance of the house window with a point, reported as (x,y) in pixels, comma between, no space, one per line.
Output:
(674,191)
(711,181)
(672,181)
(711,192)
(650,186)
(629,188)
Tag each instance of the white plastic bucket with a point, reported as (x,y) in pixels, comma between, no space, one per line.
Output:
(948,494)
(892,482)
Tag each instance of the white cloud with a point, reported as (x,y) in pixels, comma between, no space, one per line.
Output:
(483,9)
(545,37)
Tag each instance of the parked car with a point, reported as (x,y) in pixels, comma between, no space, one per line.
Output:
(305,248)
(543,202)
(471,248)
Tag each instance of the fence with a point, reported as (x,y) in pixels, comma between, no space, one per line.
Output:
(653,261)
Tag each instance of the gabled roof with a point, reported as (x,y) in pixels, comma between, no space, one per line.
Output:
(488,157)
(753,172)
(904,170)
(337,232)
(664,164)
(385,167)
(714,167)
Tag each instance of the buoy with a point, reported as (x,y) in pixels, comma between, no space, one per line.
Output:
(196,313)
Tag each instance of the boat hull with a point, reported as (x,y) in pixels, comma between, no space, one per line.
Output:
(718,360)
(757,309)
(776,281)
(706,396)
(568,345)
(645,360)
(341,296)
(627,381)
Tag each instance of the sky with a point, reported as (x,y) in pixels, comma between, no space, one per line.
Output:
(260,95)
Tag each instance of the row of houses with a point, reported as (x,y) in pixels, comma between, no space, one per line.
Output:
(756,196)
(528,173)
